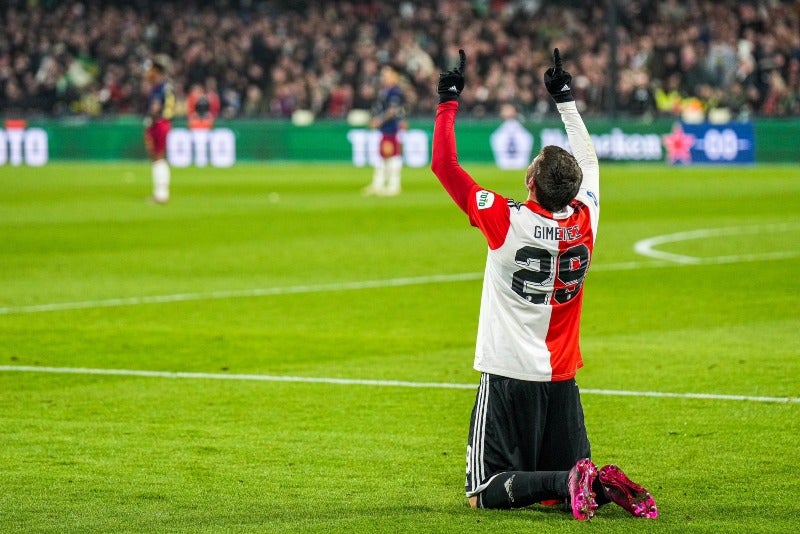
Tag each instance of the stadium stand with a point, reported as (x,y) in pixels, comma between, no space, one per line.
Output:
(271,58)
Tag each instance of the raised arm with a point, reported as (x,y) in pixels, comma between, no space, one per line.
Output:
(582,147)
(559,85)
(444,160)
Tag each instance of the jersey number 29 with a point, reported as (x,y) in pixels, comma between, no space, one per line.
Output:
(545,277)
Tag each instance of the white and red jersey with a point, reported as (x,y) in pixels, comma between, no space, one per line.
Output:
(536,263)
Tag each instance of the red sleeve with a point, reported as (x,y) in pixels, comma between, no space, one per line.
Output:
(490,213)
(444,160)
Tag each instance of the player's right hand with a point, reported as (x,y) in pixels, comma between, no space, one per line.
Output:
(451,83)
(558,81)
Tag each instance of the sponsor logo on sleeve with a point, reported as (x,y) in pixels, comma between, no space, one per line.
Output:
(484,199)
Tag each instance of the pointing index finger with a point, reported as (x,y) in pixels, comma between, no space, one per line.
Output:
(463,61)
(557,59)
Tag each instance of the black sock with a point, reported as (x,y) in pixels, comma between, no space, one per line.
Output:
(515,489)
(600,495)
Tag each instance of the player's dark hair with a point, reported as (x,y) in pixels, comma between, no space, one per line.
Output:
(557,177)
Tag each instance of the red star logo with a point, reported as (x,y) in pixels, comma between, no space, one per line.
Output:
(678,145)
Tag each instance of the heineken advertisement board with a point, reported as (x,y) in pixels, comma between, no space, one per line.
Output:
(508,145)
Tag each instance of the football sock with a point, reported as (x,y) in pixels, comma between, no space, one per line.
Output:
(515,489)
(394,165)
(161,175)
(600,494)
(378,177)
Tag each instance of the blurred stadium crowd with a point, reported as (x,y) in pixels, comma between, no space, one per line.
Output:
(269,58)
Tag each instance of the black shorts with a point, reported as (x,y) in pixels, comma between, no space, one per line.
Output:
(524,426)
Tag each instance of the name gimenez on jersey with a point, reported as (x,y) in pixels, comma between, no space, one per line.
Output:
(557,233)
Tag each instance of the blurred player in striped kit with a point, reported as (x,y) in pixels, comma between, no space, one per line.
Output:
(527,438)
(388,117)
(160,110)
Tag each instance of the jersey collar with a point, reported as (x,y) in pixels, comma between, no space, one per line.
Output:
(536,208)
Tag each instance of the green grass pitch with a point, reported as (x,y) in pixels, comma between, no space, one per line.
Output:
(287,271)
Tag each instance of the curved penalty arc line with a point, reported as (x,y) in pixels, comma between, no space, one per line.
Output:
(647,247)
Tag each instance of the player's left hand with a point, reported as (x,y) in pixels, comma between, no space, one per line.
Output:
(451,83)
(558,81)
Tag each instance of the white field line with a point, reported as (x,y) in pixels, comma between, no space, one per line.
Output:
(242,293)
(343,286)
(363,382)
(287,290)
(646,247)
